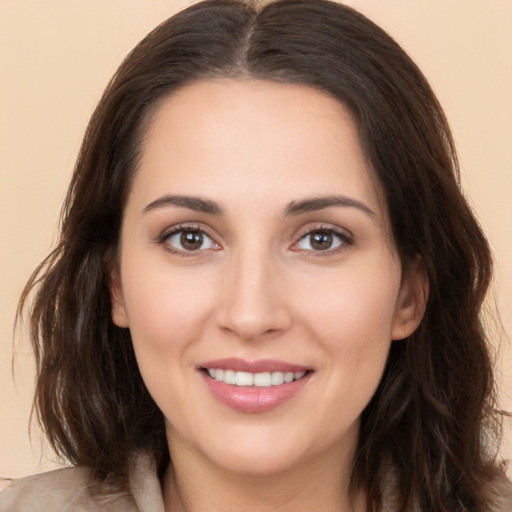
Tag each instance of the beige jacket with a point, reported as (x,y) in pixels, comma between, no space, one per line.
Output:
(68,490)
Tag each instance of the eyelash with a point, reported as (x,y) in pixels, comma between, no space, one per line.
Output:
(164,238)
(345,239)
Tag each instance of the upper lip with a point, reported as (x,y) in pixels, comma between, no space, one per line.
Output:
(258,366)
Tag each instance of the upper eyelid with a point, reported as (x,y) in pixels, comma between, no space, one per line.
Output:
(337,230)
(345,236)
(344,233)
(166,234)
(172,230)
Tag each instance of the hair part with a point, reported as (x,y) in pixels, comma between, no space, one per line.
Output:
(433,417)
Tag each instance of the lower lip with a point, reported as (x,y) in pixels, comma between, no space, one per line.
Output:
(252,399)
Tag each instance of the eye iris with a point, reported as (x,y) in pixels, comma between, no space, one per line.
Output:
(191,240)
(321,240)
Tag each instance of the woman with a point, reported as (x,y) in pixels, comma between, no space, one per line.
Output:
(268,287)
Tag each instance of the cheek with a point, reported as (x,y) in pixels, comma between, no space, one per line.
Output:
(356,307)
(167,313)
(355,332)
(166,310)
(352,321)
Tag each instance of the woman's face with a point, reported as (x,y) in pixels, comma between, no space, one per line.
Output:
(254,250)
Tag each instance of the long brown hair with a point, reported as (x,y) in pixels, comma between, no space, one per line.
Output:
(432,422)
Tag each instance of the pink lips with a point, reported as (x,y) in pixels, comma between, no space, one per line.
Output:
(263,365)
(252,399)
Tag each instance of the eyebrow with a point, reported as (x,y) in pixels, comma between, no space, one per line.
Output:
(197,204)
(294,208)
(320,203)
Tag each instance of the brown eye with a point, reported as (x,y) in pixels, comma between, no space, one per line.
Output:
(189,240)
(322,240)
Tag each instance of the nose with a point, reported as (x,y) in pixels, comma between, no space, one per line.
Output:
(253,303)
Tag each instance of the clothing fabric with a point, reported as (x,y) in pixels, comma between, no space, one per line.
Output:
(70,490)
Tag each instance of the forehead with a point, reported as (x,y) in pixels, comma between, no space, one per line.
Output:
(230,137)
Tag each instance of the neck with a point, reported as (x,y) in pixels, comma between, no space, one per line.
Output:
(195,484)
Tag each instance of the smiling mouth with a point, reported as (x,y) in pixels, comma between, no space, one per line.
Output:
(249,379)
(254,386)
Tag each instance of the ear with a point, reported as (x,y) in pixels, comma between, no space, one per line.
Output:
(412,300)
(119,316)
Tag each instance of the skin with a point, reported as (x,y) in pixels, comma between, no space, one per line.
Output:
(256,288)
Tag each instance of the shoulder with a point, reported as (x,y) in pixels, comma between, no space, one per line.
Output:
(50,491)
(55,491)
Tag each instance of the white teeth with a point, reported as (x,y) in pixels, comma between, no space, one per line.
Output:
(229,377)
(244,379)
(261,380)
(277,378)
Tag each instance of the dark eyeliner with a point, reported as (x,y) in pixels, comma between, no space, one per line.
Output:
(347,240)
(166,234)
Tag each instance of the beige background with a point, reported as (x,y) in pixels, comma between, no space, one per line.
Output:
(55,58)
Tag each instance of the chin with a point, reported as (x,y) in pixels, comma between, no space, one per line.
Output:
(259,463)
(265,451)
